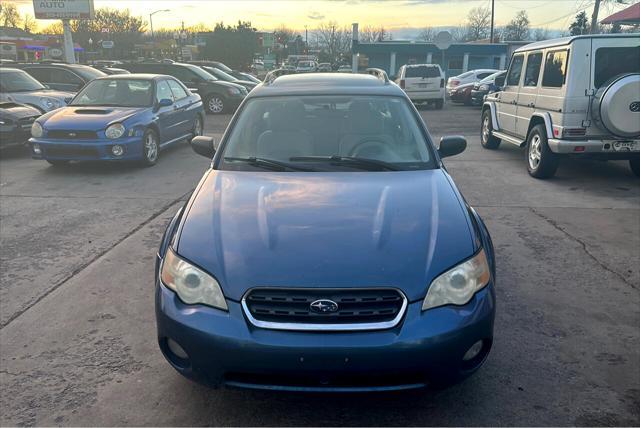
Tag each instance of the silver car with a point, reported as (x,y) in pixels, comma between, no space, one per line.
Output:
(18,86)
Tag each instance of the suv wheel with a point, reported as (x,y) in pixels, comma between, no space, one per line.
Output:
(487,139)
(634,164)
(541,161)
(215,104)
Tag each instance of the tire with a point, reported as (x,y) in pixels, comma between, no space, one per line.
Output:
(150,148)
(57,162)
(198,126)
(634,164)
(487,140)
(439,104)
(215,104)
(541,161)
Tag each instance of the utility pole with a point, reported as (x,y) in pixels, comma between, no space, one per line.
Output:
(493,6)
(594,17)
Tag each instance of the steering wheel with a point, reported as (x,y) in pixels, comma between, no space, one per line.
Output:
(372,148)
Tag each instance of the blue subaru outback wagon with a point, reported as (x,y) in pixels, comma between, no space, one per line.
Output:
(326,248)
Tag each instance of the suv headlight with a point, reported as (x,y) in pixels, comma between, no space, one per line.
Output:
(36,130)
(190,283)
(234,91)
(484,87)
(458,285)
(114,131)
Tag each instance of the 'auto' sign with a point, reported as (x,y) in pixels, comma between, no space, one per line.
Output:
(63,9)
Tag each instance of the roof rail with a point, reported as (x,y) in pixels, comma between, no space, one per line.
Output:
(274,74)
(379,73)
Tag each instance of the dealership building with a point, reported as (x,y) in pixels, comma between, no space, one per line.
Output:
(456,59)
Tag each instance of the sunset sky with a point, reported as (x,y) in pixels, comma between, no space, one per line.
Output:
(266,15)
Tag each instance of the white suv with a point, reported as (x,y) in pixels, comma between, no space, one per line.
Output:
(575,95)
(422,83)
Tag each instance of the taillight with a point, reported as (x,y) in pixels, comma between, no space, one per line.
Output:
(574,132)
(402,83)
(455,82)
(442,83)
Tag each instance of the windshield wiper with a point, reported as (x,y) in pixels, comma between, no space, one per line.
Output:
(364,163)
(268,163)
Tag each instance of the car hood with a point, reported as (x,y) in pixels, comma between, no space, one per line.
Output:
(33,97)
(90,118)
(10,110)
(343,229)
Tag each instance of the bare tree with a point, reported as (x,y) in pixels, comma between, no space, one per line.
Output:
(334,40)
(9,15)
(478,23)
(541,34)
(369,34)
(459,33)
(518,28)
(29,23)
(427,34)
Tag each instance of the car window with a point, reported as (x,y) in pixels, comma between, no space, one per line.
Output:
(59,75)
(18,81)
(465,75)
(371,127)
(515,70)
(532,72)
(555,69)
(177,90)
(163,91)
(483,75)
(612,62)
(41,74)
(183,74)
(116,92)
(422,71)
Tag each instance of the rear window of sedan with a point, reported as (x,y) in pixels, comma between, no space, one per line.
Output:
(116,92)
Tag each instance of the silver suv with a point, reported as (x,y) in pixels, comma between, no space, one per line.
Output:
(570,96)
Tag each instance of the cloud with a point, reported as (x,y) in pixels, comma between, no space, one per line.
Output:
(315,15)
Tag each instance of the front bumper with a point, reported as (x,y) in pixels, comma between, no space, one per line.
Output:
(223,348)
(599,147)
(16,136)
(81,150)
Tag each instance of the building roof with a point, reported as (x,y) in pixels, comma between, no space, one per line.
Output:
(411,47)
(629,16)
(14,33)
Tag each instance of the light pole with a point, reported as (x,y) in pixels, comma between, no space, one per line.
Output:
(151,19)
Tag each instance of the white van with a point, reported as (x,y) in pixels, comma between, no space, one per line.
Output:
(422,83)
(575,96)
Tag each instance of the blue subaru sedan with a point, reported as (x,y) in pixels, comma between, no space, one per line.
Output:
(326,248)
(119,117)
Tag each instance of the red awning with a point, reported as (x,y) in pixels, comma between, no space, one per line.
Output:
(630,16)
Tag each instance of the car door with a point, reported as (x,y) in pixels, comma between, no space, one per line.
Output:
(507,99)
(41,74)
(168,116)
(181,103)
(528,92)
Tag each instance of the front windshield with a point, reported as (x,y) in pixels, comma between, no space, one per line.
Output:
(200,72)
(326,133)
(18,81)
(116,92)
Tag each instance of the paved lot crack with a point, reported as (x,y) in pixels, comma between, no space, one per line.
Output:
(584,246)
(96,257)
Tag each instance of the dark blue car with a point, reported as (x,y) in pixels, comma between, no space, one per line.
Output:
(119,117)
(326,249)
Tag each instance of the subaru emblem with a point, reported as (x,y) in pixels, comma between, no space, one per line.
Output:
(323,306)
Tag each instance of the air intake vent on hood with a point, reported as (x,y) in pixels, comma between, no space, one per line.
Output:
(90,111)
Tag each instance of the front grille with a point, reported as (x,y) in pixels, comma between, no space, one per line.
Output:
(294,309)
(71,135)
(71,151)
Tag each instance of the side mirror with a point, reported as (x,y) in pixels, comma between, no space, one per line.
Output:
(499,81)
(204,146)
(452,145)
(165,102)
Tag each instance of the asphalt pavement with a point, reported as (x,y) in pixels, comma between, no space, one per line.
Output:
(77,327)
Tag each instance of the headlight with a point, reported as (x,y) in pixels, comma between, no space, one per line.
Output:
(49,103)
(234,91)
(484,87)
(36,130)
(114,131)
(458,285)
(190,283)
